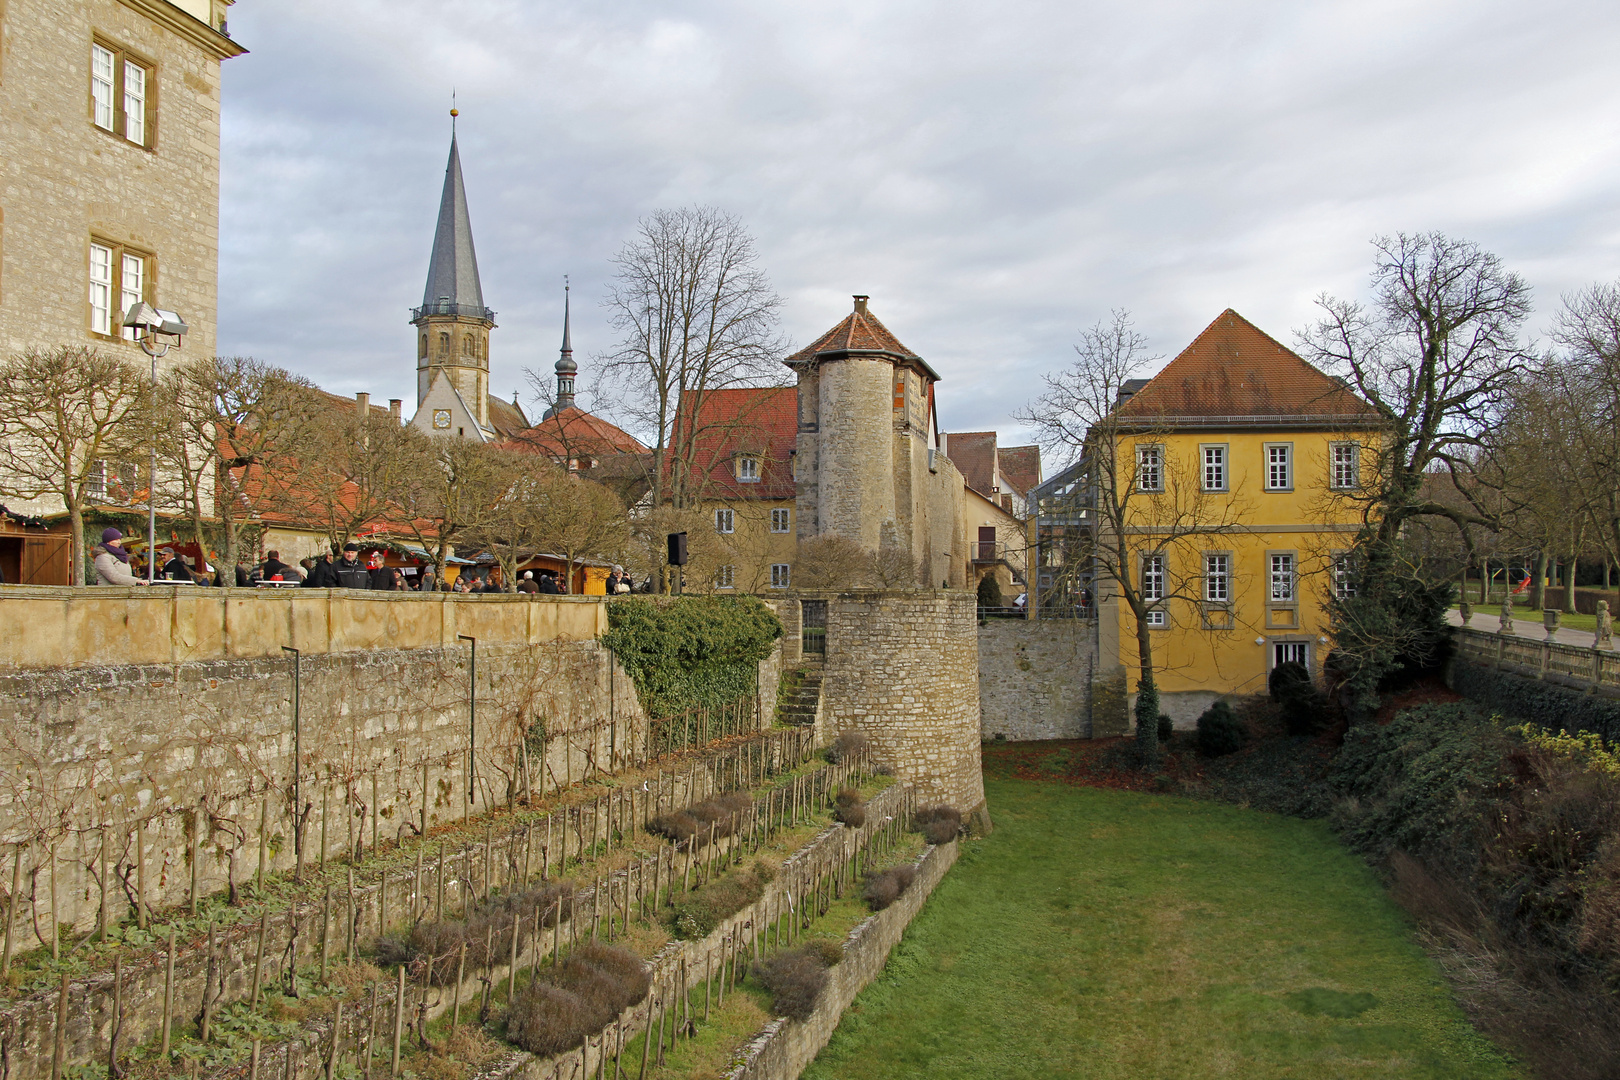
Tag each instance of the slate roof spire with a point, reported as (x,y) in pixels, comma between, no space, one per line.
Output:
(452,279)
(565,366)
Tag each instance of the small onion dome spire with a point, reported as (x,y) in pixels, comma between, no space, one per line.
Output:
(565,367)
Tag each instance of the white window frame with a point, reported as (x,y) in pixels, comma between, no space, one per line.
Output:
(725,577)
(111,268)
(95,480)
(1301,649)
(1279,466)
(781,575)
(748,470)
(121,90)
(1153,576)
(1344,585)
(1217,577)
(1158,617)
(1214,472)
(725,520)
(1282,577)
(1344,466)
(1149,467)
(781,520)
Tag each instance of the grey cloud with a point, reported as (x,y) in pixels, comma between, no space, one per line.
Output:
(994,175)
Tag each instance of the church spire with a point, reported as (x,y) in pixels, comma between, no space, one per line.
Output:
(452,277)
(565,367)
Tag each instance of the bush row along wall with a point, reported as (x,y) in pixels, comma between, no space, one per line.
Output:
(786,1047)
(294,935)
(676,967)
(199,754)
(178,624)
(903,667)
(680,965)
(1519,693)
(691,651)
(1035,678)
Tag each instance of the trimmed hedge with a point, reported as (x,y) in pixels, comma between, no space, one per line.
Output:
(1544,704)
(691,651)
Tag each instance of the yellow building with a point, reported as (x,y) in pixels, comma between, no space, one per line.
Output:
(1241,458)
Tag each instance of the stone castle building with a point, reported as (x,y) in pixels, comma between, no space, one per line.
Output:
(109,190)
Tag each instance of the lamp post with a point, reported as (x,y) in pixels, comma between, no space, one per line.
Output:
(156,332)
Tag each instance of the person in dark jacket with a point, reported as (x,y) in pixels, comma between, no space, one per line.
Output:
(527,585)
(381,576)
(177,570)
(548,584)
(273,566)
(322,575)
(350,572)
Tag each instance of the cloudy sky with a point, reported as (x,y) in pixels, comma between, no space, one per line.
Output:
(994,175)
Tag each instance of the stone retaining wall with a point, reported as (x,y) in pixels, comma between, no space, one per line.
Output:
(1035,678)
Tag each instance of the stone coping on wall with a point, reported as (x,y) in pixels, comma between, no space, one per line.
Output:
(158,624)
(785,1047)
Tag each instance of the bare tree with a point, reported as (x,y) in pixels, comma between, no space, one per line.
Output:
(580,519)
(831,562)
(696,314)
(63,411)
(349,469)
(1436,352)
(229,429)
(1150,518)
(450,489)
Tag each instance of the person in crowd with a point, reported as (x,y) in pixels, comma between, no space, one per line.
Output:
(527,585)
(321,575)
(350,572)
(177,570)
(397,581)
(381,576)
(112,561)
(274,568)
(429,581)
(615,578)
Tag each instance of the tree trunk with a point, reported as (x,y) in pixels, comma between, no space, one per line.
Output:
(1538,585)
(76,542)
(1569,584)
(1147,697)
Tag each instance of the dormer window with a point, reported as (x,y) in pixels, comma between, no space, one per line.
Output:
(748,470)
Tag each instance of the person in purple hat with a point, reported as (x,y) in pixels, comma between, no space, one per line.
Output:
(112,561)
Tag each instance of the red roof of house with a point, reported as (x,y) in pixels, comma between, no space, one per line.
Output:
(757,421)
(974,455)
(573,432)
(1235,370)
(1020,467)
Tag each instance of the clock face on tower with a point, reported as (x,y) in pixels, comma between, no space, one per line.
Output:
(441,419)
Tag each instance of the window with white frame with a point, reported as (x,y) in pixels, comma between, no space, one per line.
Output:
(725,577)
(1346,466)
(1214,468)
(1150,468)
(1282,578)
(781,519)
(1279,467)
(725,521)
(1290,652)
(95,481)
(1158,617)
(1152,577)
(748,470)
(120,93)
(779,575)
(1344,578)
(119,278)
(1217,578)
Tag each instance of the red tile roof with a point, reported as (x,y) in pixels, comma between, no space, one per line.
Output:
(573,432)
(761,421)
(1020,467)
(974,455)
(860,332)
(1235,370)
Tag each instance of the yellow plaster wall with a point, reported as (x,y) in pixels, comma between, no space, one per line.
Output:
(1310,520)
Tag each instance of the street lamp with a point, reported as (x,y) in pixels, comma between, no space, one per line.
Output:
(156,332)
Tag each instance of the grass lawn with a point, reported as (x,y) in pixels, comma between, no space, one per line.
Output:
(1109,934)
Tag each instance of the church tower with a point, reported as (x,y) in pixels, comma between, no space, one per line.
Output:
(565,368)
(453,325)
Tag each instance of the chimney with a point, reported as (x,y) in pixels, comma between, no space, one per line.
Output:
(362,405)
(860,304)
(394,406)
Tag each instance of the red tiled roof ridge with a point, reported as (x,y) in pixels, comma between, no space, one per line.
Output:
(859,331)
(1215,375)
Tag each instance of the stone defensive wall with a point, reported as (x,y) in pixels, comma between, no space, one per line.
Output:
(903,667)
(1035,678)
(147,735)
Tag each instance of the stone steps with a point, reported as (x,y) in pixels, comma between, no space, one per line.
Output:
(799,705)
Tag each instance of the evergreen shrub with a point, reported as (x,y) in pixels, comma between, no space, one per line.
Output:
(1220,732)
(691,651)
(1548,705)
(1167,728)
(696,914)
(989,591)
